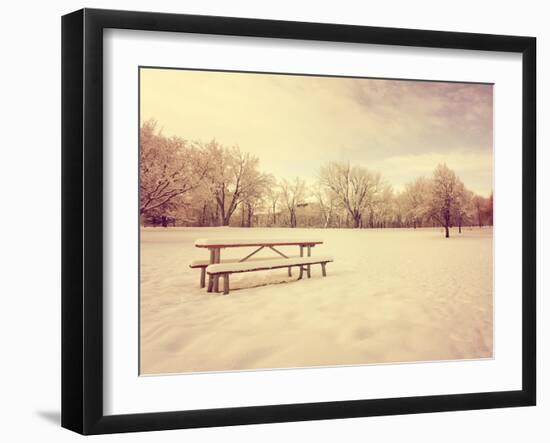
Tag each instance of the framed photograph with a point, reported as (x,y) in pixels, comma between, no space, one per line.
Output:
(268,221)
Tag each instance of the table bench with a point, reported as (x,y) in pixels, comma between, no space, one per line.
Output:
(203,264)
(216,245)
(225,269)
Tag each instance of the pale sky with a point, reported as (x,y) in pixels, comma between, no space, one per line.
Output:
(294,124)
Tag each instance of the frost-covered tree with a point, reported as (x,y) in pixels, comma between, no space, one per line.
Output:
(415,199)
(483,210)
(273,198)
(478,203)
(444,196)
(383,209)
(327,204)
(399,210)
(232,175)
(489,210)
(254,197)
(293,193)
(203,205)
(463,207)
(204,183)
(355,187)
(169,168)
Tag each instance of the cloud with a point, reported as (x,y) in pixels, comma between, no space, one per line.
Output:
(474,168)
(295,123)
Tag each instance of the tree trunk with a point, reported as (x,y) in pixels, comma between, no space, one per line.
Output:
(292,219)
(356,220)
(447,220)
(203,216)
(249,217)
(479,221)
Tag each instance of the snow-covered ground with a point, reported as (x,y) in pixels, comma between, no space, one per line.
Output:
(390,295)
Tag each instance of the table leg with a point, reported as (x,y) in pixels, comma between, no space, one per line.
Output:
(203,277)
(226,283)
(309,266)
(210,277)
(217,255)
(210,284)
(300,275)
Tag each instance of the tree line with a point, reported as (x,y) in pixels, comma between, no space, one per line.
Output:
(189,183)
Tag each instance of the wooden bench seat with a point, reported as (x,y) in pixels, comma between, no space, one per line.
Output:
(203,264)
(225,269)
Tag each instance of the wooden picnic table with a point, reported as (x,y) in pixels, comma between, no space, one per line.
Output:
(216,245)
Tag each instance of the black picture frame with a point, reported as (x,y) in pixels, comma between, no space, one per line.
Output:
(82,218)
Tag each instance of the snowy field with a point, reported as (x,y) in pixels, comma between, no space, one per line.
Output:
(390,295)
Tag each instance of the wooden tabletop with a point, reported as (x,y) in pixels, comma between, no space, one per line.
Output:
(236,243)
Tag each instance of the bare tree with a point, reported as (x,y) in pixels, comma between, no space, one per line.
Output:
(355,187)
(293,193)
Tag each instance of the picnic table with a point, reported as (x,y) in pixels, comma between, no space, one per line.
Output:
(226,267)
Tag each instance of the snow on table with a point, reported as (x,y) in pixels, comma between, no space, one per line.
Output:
(236,242)
(204,263)
(267,264)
